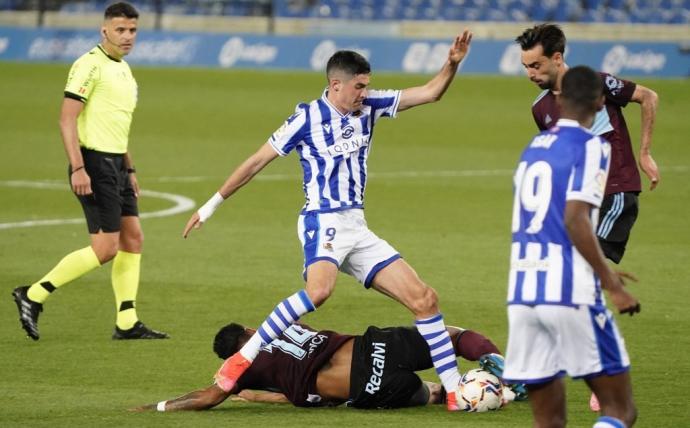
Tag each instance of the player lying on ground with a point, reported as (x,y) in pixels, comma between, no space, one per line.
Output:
(311,368)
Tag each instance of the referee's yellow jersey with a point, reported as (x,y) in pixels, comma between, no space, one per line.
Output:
(109,93)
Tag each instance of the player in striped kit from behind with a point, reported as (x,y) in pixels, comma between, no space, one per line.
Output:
(332,137)
(558,320)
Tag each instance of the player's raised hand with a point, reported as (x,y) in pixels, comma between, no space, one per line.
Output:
(193,223)
(650,169)
(460,47)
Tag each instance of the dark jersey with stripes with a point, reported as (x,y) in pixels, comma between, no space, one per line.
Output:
(291,363)
(608,123)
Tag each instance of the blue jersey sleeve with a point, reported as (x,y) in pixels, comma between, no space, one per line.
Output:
(286,138)
(588,176)
(383,103)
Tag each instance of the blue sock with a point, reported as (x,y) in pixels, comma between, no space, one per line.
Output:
(284,314)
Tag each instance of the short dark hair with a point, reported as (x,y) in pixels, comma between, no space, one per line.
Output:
(349,62)
(121,10)
(581,90)
(226,341)
(549,36)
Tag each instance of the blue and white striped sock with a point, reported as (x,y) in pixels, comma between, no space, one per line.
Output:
(285,313)
(608,422)
(442,352)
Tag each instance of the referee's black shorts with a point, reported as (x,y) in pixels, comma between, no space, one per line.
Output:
(617,216)
(384,362)
(113,195)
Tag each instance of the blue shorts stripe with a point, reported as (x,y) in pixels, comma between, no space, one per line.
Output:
(377,268)
(435,318)
(312,227)
(611,216)
(538,381)
(607,342)
(306,301)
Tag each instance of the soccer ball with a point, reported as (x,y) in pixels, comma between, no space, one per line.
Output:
(479,391)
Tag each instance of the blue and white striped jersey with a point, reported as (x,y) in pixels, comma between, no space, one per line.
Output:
(566,162)
(333,148)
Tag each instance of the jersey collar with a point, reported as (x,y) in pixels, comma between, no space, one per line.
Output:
(324,98)
(106,53)
(568,123)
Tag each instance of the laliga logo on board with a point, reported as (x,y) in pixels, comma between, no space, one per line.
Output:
(60,47)
(324,50)
(425,58)
(166,51)
(619,58)
(235,49)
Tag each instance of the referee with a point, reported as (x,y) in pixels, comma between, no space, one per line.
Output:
(96,114)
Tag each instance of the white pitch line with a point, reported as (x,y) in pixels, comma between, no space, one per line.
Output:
(181,204)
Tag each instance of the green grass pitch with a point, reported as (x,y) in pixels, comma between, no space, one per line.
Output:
(439,191)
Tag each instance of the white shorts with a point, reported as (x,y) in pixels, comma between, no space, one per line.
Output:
(342,237)
(546,342)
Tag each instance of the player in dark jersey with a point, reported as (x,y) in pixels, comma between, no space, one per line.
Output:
(542,56)
(313,368)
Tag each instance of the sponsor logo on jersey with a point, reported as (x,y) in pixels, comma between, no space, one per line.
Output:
(378,362)
(348,131)
(345,147)
(315,342)
(614,85)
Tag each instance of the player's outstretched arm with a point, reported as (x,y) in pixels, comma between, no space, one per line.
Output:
(262,396)
(241,176)
(202,399)
(581,234)
(434,89)
(649,101)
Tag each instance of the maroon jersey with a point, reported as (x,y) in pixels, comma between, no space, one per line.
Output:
(610,124)
(291,362)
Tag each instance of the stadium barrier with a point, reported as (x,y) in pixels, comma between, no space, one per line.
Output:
(169,48)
